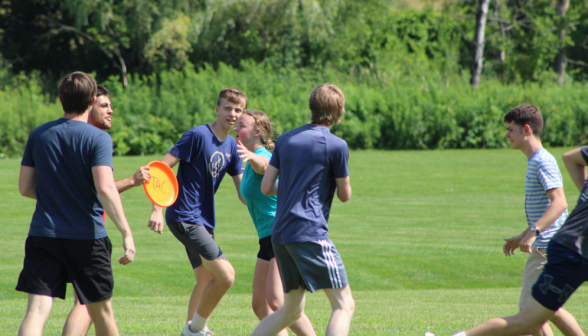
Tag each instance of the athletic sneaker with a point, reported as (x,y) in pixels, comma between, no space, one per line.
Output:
(428,333)
(202,332)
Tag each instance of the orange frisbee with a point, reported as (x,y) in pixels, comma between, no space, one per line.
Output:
(163,188)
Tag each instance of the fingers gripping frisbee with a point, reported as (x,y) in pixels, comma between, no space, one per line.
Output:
(162,189)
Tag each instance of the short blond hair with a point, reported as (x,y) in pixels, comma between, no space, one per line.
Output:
(234,96)
(327,104)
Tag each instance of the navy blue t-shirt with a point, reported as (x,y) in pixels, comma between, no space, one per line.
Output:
(204,162)
(309,158)
(63,153)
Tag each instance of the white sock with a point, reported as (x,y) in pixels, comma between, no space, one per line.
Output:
(461,333)
(198,322)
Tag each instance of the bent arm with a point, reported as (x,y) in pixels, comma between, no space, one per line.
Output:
(110,199)
(269,184)
(554,210)
(237,182)
(575,165)
(343,188)
(26,182)
(259,163)
(141,175)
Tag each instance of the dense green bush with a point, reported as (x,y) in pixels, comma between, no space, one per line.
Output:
(390,110)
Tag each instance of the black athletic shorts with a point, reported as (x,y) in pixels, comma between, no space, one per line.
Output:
(198,240)
(50,263)
(266,250)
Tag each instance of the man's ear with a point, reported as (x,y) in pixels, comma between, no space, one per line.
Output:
(527,129)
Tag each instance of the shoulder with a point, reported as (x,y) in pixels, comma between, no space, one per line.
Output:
(336,142)
(262,151)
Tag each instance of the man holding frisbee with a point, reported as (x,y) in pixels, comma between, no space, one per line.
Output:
(312,166)
(205,153)
(67,168)
(567,266)
(78,321)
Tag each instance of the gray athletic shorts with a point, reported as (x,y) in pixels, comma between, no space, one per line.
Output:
(313,265)
(198,240)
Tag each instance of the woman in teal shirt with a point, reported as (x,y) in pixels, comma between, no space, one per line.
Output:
(254,137)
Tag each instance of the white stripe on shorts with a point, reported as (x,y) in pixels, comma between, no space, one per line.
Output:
(331,264)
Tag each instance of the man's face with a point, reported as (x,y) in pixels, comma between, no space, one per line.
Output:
(515,135)
(101,114)
(228,113)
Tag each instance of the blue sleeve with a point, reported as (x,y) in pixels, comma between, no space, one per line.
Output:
(27,158)
(236,165)
(548,175)
(339,158)
(102,151)
(275,160)
(183,148)
(584,152)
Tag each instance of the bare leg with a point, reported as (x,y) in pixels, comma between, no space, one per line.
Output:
(285,316)
(38,309)
(566,323)
(545,330)
(223,276)
(528,321)
(202,279)
(275,299)
(78,321)
(343,306)
(103,317)
(262,291)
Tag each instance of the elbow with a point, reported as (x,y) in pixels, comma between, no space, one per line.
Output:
(344,197)
(265,190)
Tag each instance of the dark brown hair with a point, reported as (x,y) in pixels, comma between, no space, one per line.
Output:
(102,91)
(76,92)
(327,104)
(263,126)
(526,114)
(234,96)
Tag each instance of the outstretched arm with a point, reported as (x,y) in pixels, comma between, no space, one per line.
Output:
(269,184)
(110,199)
(258,163)
(156,218)
(343,188)
(26,182)
(141,175)
(575,164)
(237,181)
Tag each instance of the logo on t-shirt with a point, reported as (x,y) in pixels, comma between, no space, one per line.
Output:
(217,163)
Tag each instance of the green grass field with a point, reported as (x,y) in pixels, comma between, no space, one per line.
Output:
(421,240)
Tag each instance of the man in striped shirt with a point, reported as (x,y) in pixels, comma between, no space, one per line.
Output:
(545,206)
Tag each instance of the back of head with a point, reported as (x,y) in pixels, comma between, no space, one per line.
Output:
(263,126)
(526,114)
(76,92)
(234,96)
(327,104)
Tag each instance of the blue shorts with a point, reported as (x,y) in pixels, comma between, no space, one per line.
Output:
(565,271)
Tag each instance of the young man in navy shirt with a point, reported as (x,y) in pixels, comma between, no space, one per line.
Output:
(205,153)
(67,168)
(312,166)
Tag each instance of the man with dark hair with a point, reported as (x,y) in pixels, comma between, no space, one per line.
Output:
(205,153)
(67,168)
(78,321)
(312,167)
(547,283)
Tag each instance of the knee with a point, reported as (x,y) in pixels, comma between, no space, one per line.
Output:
(274,302)
(226,281)
(526,327)
(259,309)
(347,305)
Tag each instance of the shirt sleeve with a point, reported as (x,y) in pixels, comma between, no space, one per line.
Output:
(183,148)
(339,159)
(27,158)
(236,165)
(584,152)
(548,175)
(102,152)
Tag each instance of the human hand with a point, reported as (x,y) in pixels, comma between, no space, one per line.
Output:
(141,175)
(156,221)
(129,247)
(526,243)
(244,153)
(511,245)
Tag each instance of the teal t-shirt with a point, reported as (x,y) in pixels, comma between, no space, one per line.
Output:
(261,207)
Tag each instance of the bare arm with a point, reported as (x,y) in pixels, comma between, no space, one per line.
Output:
(575,164)
(258,163)
(343,188)
(110,199)
(156,219)
(554,210)
(26,182)
(141,175)
(237,181)
(269,184)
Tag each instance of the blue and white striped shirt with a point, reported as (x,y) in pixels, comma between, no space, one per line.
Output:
(542,174)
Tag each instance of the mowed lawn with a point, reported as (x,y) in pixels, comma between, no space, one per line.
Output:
(421,240)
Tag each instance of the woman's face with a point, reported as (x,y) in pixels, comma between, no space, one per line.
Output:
(245,130)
